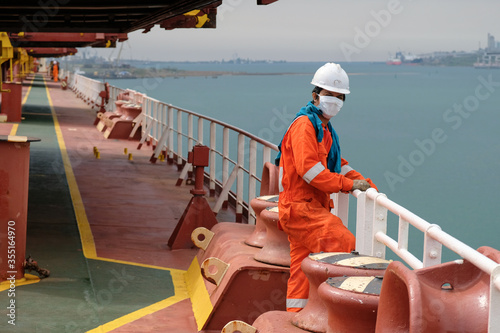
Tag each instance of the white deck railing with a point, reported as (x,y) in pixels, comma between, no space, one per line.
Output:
(172,129)
(372,238)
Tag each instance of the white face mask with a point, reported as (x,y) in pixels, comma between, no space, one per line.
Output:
(330,106)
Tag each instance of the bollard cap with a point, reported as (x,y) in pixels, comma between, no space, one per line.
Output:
(18,138)
(200,156)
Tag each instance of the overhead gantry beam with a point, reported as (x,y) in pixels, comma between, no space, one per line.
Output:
(108,16)
(66,39)
(103,16)
(50,52)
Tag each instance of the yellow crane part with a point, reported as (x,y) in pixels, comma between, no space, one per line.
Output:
(200,19)
(6,54)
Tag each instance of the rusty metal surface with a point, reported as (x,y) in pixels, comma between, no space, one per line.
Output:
(276,249)
(119,128)
(276,322)
(270,180)
(247,290)
(314,315)
(197,214)
(349,311)
(227,242)
(258,236)
(450,297)
(131,111)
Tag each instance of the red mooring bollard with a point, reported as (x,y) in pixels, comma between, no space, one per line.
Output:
(14,180)
(198,212)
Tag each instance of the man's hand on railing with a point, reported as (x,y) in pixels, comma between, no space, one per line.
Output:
(360,184)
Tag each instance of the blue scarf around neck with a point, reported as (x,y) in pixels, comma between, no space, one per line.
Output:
(312,112)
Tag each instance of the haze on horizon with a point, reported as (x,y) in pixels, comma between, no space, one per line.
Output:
(319,30)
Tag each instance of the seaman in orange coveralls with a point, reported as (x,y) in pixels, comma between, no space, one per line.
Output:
(311,168)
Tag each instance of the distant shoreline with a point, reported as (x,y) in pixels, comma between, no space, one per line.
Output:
(183,74)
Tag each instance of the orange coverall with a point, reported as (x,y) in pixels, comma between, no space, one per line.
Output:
(304,203)
(56,72)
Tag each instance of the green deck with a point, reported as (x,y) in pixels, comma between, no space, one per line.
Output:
(81,294)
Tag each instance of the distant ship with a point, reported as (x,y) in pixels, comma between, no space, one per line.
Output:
(404,58)
(394,61)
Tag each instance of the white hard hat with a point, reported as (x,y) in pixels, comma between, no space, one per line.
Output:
(332,77)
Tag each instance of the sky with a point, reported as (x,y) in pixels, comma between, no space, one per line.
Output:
(319,30)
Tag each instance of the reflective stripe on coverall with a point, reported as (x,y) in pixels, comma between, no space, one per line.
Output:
(304,203)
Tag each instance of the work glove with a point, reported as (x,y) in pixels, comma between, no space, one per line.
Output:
(360,184)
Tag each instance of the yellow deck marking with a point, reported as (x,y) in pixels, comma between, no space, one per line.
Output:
(28,92)
(200,299)
(13,130)
(88,244)
(173,270)
(81,217)
(181,294)
(28,279)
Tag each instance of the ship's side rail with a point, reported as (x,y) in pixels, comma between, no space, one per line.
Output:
(372,238)
(113,96)
(86,88)
(236,156)
(234,168)
(235,153)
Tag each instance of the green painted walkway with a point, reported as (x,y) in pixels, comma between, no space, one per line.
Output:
(81,294)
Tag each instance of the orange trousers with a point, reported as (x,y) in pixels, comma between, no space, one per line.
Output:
(311,228)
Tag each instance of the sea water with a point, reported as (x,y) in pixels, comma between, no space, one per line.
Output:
(427,136)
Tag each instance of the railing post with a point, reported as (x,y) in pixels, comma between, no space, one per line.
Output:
(200,131)
(251,179)
(341,208)
(190,138)
(403,232)
(170,126)
(266,155)
(225,161)
(432,248)
(239,180)
(148,124)
(379,225)
(364,224)
(494,318)
(213,148)
(190,132)
(153,113)
(179,140)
